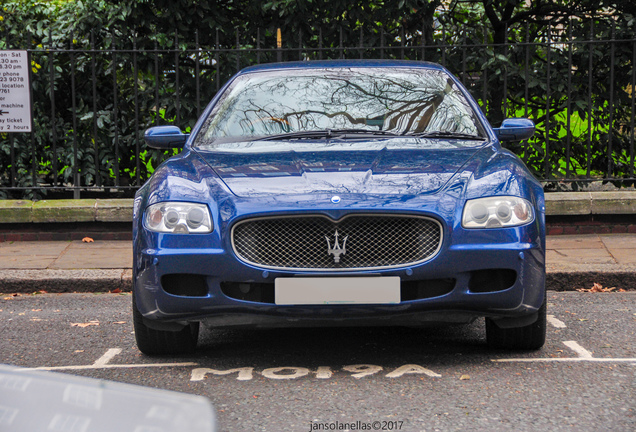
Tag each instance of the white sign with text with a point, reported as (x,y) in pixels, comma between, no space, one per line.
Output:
(15,99)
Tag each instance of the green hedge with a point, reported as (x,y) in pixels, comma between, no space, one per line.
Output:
(113,70)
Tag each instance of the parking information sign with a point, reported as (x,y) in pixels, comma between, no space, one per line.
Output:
(15,97)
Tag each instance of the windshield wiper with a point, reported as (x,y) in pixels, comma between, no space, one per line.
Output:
(295,135)
(363,132)
(445,134)
(326,133)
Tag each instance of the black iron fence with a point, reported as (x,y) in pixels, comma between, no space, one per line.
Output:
(92,98)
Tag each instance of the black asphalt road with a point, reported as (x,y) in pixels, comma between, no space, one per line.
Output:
(404,379)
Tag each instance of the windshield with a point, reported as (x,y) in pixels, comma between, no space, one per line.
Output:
(369,101)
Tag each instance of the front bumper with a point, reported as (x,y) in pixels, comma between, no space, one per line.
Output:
(466,299)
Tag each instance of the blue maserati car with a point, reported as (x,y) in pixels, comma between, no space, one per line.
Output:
(339,193)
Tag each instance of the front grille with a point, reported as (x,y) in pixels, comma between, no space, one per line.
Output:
(364,241)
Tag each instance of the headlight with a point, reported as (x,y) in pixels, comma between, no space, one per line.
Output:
(178,218)
(497,212)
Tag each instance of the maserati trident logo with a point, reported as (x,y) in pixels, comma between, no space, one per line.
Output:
(337,250)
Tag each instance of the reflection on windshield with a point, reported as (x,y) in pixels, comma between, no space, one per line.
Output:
(399,101)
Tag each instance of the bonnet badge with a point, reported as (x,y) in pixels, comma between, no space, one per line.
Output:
(336,250)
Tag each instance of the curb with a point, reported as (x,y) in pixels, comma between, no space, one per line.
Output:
(65,281)
(576,276)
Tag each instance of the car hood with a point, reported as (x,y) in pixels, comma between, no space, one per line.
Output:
(411,168)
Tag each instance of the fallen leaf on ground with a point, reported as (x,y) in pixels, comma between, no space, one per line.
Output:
(115,291)
(36,310)
(88,240)
(90,323)
(597,287)
(464,377)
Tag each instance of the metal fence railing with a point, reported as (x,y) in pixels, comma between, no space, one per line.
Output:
(93,98)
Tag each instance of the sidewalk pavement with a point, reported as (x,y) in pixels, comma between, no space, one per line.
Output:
(573,262)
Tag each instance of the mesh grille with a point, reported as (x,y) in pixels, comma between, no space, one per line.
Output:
(365,241)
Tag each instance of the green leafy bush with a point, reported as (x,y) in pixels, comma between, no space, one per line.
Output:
(103,71)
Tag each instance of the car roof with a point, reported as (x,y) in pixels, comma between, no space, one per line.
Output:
(336,64)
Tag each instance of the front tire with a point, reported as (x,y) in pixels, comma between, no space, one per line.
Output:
(530,337)
(159,342)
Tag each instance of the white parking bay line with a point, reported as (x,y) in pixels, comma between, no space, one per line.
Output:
(103,360)
(102,363)
(582,352)
(117,366)
(584,356)
(555,322)
(566,360)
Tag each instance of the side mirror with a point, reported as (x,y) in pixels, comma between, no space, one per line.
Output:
(165,137)
(515,129)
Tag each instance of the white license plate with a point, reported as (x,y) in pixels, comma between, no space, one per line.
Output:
(337,290)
